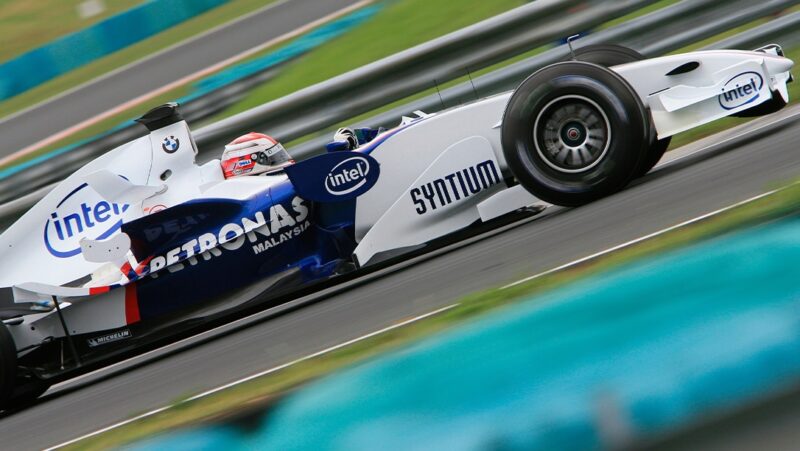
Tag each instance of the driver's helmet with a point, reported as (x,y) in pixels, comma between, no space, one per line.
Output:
(253,154)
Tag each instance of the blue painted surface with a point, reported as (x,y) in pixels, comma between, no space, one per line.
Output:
(660,343)
(82,47)
(335,176)
(286,242)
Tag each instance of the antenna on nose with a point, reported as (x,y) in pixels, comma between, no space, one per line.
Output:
(438,91)
(569,43)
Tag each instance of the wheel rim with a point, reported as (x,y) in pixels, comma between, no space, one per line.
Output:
(572,134)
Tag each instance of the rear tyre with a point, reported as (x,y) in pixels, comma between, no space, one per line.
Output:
(27,394)
(608,55)
(8,366)
(574,132)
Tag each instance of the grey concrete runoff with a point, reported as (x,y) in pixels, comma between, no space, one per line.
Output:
(693,182)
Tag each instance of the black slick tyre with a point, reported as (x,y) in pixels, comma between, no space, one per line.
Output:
(28,393)
(8,366)
(608,55)
(574,132)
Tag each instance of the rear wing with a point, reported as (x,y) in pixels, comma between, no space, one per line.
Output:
(94,202)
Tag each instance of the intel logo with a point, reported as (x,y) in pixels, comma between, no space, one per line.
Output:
(80,216)
(741,90)
(334,176)
(347,176)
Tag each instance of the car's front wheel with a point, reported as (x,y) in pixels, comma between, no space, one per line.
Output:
(574,132)
(608,55)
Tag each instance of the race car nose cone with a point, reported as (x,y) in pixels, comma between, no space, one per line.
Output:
(777,65)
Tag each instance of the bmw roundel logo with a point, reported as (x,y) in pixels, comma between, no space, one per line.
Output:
(170,144)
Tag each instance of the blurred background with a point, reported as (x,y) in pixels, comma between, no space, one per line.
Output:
(75,73)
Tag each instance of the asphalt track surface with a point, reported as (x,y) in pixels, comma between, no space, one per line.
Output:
(699,182)
(152,73)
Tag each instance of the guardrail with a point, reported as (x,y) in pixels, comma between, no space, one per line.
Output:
(785,28)
(335,101)
(329,103)
(417,69)
(644,34)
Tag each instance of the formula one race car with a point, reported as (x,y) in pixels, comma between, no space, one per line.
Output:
(142,243)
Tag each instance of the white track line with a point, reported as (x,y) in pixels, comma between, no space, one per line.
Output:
(257,375)
(640,239)
(180,82)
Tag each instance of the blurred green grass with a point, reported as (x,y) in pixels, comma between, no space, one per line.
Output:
(116,60)
(400,25)
(30,24)
(379,39)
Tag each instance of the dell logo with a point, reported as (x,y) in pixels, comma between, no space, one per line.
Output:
(80,216)
(741,90)
(347,176)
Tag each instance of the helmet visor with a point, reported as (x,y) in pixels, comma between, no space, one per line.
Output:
(254,160)
(273,156)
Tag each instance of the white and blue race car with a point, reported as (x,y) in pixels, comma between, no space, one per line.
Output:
(142,244)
